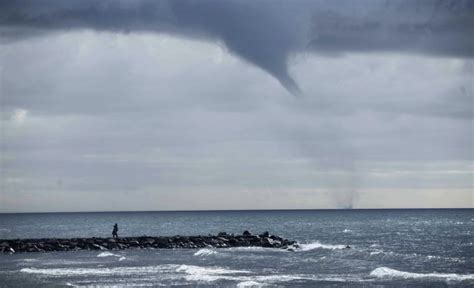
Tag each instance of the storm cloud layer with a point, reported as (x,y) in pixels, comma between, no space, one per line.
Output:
(171,105)
(265,33)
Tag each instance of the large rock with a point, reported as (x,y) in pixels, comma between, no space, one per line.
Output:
(222,240)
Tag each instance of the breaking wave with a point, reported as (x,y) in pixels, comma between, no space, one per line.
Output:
(318,245)
(250,283)
(384,272)
(209,274)
(30,260)
(189,272)
(108,254)
(96,271)
(192,273)
(253,249)
(205,252)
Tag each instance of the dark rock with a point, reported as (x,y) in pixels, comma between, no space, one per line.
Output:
(267,242)
(150,241)
(99,247)
(5,244)
(122,246)
(161,243)
(134,243)
(189,242)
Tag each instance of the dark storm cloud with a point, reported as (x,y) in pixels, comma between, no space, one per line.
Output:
(265,33)
(427,27)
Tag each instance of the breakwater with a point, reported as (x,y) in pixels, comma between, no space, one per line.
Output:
(222,240)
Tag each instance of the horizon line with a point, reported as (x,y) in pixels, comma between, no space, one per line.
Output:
(241,210)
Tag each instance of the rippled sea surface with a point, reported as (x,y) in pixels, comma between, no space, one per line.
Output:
(431,248)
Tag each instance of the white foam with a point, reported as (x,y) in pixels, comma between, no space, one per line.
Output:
(292,277)
(205,252)
(122,258)
(30,260)
(254,249)
(318,245)
(192,273)
(250,284)
(97,271)
(210,274)
(384,272)
(282,278)
(347,231)
(107,254)
(452,259)
(199,270)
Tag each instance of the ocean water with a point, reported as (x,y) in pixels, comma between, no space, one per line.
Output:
(431,248)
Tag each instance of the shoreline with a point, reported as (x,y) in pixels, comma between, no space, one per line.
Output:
(221,240)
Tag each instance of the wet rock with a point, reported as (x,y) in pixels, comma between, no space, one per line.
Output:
(4,245)
(267,242)
(99,247)
(222,240)
(122,246)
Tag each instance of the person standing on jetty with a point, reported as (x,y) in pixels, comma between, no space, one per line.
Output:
(114,232)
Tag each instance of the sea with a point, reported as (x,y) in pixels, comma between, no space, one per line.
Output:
(389,248)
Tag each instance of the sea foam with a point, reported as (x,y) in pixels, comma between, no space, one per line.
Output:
(250,283)
(318,245)
(107,254)
(209,274)
(205,252)
(384,272)
(193,273)
(58,272)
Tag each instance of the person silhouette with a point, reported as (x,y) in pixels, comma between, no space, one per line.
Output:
(114,232)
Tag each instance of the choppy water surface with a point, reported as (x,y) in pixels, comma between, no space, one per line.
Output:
(432,248)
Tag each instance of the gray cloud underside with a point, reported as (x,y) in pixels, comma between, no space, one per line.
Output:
(265,33)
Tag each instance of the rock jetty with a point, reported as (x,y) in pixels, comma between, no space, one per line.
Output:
(222,240)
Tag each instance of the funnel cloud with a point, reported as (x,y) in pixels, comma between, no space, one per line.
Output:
(264,33)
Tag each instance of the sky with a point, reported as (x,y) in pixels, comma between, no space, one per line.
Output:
(214,105)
